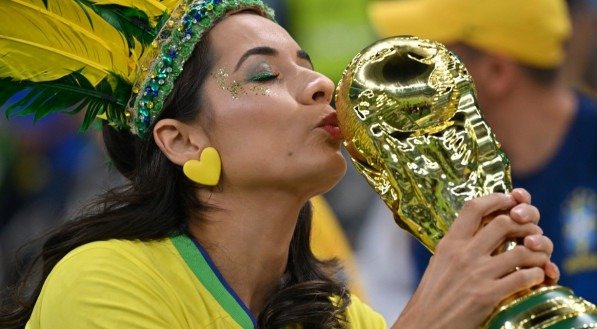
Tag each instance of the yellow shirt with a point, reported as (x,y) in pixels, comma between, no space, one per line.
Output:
(133,284)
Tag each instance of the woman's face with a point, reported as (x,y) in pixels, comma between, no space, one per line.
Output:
(270,113)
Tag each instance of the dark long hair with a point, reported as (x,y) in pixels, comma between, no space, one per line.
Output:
(157,200)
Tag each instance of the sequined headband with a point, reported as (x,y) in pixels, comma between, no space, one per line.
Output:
(112,59)
(174,45)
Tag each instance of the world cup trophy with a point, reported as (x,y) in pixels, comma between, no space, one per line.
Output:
(407,108)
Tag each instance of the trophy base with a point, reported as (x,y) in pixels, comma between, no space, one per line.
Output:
(553,307)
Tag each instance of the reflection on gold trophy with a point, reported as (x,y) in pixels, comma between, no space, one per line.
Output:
(408,111)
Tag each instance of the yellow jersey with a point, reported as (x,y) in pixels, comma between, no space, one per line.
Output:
(168,283)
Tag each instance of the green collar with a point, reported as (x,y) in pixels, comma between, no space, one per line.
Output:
(208,274)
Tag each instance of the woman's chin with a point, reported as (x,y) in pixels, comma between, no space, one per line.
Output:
(332,174)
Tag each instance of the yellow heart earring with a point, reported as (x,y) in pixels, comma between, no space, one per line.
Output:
(206,170)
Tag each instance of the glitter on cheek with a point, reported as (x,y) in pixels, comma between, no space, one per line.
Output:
(235,88)
(260,90)
(221,77)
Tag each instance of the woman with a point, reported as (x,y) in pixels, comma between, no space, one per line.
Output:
(213,229)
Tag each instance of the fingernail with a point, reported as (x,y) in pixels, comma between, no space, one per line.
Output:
(555,271)
(535,240)
(520,212)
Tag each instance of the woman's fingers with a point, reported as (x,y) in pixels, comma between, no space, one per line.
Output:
(519,280)
(473,212)
(497,231)
(525,213)
(539,243)
(519,257)
(543,244)
(465,266)
(534,252)
(521,195)
(552,272)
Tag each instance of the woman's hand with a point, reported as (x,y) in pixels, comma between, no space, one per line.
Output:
(534,242)
(465,279)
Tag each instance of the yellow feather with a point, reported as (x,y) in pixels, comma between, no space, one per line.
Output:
(44,44)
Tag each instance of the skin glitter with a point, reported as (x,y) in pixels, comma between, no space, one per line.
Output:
(236,88)
(259,90)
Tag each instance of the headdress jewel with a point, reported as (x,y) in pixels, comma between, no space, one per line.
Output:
(113,58)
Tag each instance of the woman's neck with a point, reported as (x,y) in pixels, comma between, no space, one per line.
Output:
(248,237)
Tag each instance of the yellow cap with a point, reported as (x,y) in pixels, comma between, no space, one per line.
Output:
(531,31)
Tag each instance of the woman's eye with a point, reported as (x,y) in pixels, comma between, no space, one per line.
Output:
(262,77)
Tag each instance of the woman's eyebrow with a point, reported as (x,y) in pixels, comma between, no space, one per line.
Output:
(255,51)
(268,51)
(304,55)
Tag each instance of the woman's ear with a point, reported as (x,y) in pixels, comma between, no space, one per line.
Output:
(179,141)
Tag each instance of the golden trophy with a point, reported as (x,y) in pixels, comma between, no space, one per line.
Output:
(407,108)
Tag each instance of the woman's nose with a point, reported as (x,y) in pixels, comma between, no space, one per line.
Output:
(319,89)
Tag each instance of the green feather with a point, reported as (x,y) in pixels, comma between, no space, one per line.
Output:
(69,94)
(133,23)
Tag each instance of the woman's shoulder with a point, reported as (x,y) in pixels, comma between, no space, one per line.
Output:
(119,250)
(115,263)
(151,264)
(116,280)
(360,315)
(107,257)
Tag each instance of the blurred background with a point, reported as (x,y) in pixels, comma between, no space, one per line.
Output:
(49,169)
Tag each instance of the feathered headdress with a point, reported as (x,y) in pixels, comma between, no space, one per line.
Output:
(112,58)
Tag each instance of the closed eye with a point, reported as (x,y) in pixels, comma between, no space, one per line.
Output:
(263,77)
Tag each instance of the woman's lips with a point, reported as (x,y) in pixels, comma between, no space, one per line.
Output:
(334,131)
(330,125)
